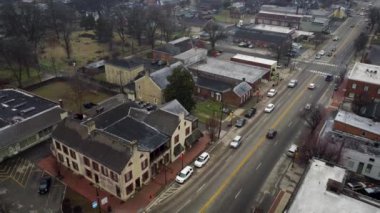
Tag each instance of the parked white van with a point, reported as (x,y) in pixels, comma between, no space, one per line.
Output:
(292,151)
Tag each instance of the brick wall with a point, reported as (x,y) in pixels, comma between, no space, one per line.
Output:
(372,92)
(355,131)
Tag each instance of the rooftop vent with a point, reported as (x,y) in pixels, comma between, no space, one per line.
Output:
(334,186)
(19,105)
(9,101)
(367,70)
(375,71)
(27,110)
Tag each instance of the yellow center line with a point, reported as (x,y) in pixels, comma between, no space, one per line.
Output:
(250,154)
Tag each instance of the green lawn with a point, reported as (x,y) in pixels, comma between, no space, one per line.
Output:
(62,90)
(205,109)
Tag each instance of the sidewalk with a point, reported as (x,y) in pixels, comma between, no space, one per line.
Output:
(141,198)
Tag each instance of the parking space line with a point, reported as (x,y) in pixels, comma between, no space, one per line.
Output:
(14,169)
(258,166)
(237,194)
(27,174)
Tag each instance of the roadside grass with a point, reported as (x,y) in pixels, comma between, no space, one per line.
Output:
(78,200)
(205,110)
(62,90)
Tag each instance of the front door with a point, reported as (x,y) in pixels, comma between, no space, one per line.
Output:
(118,191)
(96,178)
(138,183)
(360,168)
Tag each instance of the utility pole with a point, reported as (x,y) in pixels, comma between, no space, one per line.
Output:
(220,119)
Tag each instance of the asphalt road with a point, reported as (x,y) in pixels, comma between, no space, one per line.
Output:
(233,178)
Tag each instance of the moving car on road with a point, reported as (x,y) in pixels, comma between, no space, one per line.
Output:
(235,143)
(292,83)
(311,86)
(184,174)
(272,92)
(202,160)
(269,108)
(329,78)
(271,134)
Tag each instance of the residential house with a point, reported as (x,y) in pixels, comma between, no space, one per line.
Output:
(364,82)
(150,87)
(226,81)
(167,51)
(25,120)
(123,71)
(359,138)
(192,56)
(237,9)
(121,149)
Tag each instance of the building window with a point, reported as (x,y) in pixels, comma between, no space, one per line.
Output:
(372,160)
(86,161)
(114,176)
(72,154)
(128,176)
(129,189)
(366,88)
(378,91)
(350,164)
(60,157)
(363,133)
(141,156)
(187,130)
(199,90)
(88,173)
(166,158)
(145,176)
(351,95)
(104,171)
(144,164)
(57,145)
(176,139)
(65,150)
(75,166)
(368,168)
(353,86)
(179,127)
(130,164)
(95,166)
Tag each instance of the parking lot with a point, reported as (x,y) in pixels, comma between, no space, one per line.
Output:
(19,182)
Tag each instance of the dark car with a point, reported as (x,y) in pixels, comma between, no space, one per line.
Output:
(44,185)
(271,134)
(240,123)
(329,78)
(251,112)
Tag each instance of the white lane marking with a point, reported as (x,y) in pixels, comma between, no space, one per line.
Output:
(290,124)
(187,202)
(258,166)
(200,188)
(237,194)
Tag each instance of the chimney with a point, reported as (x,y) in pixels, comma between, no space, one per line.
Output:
(60,101)
(91,126)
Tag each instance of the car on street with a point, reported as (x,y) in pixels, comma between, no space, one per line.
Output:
(329,78)
(321,52)
(235,143)
(356,185)
(272,92)
(269,108)
(311,86)
(243,44)
(336,38)
(292,150)
(251,112)
(308,106)
(271,134)
(329,54)
(184,174)
(202,160)
(44,186)
(317,56)
(292,83)
(352,26)
(333,49)
(240,122)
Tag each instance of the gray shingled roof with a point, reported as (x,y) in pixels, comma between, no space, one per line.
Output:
(129,63)
(165,122)
(160,77)
(174,107)
(261,36)
(28,127)
(242,89)
(100,146)
(214,85)
(148,139)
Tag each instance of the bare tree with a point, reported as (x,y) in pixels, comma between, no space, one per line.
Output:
(78,93)
(136,23)
(167,23)
(312,116)
(121,25)
(215,31)
(152,23)
(212,125)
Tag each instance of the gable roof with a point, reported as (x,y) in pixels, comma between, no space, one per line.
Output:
(242,89)
(165,122)
(174,107)
(128,63)
(213,84)
(160,77)
(100,146)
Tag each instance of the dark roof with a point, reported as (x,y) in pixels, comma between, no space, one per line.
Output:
(175,107)
(242,89)
(175,49)
(160,77)
(107,118)
(138,114)
(100,146)
(260,36)
(214,85)
(28,127)
(163,121)
(129,63)
(148,139)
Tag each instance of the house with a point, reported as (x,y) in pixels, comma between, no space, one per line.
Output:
(363,81)
(192,56)
(237,9)
(360,139)
(272,29)
(150,87)
(323,189)
(123,71)
(121,149)
(226,81)
(263,38)
(167,51)
(270,65)
(25,120)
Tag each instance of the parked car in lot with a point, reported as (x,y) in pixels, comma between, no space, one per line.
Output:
(317,56)
(44,186)
(271,134)
(311,86)
(251,112)
(240,122)
(321,52)
(269,108)
(329,54)
(202,160)
(272,92)
(292,83)
(235,143)
(184,174)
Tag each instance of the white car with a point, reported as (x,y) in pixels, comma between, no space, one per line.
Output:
(269,108)
(272,92)
(321,52)
(336,38)
(184,174)
(317,56)
(292,83)
(202,160)
(235,143)
(311,86)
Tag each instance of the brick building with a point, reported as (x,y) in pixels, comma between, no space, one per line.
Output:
(267,64)
(279,19)
(167,51)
